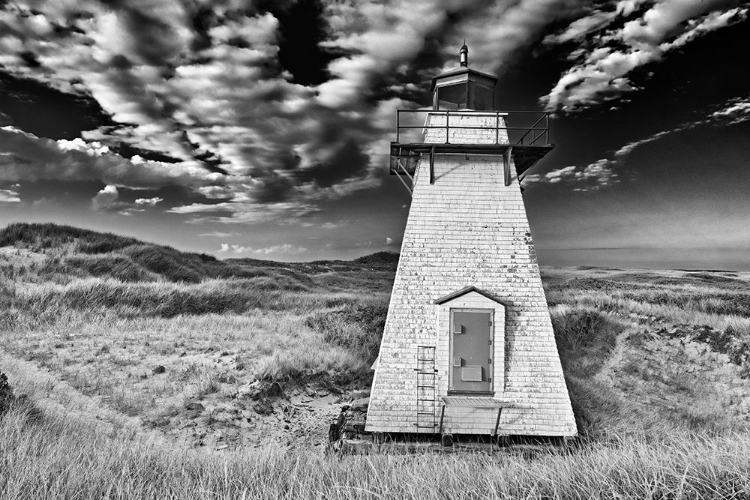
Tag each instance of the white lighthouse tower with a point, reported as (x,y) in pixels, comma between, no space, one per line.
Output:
(468,346)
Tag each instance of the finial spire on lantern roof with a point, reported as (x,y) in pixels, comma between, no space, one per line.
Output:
(464,55)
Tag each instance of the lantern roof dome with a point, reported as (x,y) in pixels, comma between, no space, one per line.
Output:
(471,74)
(479,75)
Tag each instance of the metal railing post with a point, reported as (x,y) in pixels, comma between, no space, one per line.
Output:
(497,127)
(547,117)
(447,126)
(398,125)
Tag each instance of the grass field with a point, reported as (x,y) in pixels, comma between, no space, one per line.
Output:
(151,373)
(57,459)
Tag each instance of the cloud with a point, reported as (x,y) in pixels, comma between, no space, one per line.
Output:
(735,111)
(218,234)
(629,147)
(560,174)
(605,56)
(244,212)
(593,21)
(109,199)
(148,201)
(105,199)
(600,173)
(388,240)
(713,21)
(284,249)
(26,157)
(590,178)
(9,196)
(531,179)
(496,32)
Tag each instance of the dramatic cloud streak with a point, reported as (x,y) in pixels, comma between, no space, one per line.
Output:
(608,52)
(602,173)
(217,99)
(26,157)
(214,89)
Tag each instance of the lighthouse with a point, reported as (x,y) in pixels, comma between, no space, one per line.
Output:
(468,345)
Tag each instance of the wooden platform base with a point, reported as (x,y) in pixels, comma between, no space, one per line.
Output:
(505,445)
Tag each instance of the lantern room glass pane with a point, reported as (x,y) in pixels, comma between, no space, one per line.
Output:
(452,96)
(482,98)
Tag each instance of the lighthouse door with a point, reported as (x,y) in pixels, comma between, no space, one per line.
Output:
(471,350)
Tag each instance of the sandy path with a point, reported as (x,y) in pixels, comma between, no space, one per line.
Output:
(57,397)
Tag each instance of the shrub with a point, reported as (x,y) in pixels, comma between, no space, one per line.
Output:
(38,236)
(119,267)
(104,243)
(165,261)
(357,327)
(577,329)
(42,236)
(585,338)
(7,294)
(6,394)
(330,364)
(739,354)
(389,259)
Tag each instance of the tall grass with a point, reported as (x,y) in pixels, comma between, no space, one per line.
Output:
(296,366)
(43,304)
(52,458)
(165,300)
(686,312)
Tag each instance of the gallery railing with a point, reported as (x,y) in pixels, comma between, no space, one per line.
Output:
(529,127)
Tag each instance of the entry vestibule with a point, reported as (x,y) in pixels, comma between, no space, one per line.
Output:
(471,346)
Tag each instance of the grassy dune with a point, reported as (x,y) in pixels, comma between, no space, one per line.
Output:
(115,340)
(194,331)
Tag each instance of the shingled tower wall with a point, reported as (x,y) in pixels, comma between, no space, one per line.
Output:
(469,229)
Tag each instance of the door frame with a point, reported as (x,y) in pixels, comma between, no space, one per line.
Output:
(491,313)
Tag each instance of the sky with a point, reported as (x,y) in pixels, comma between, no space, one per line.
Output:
(261,128)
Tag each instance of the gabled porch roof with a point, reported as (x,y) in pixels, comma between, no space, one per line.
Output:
(464,291)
